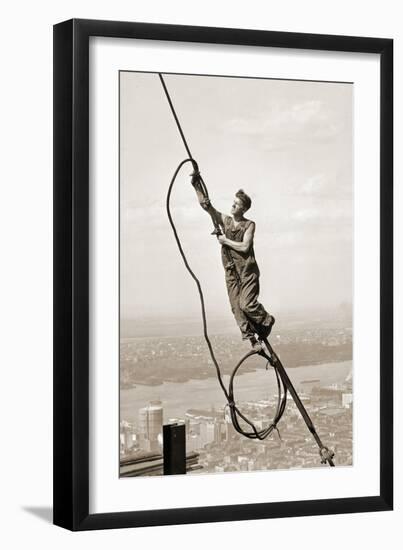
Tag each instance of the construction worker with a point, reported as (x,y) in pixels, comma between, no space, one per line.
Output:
(241,270)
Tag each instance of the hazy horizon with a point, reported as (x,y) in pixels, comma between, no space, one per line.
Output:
(166,326)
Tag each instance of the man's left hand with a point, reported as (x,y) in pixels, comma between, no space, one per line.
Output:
(221,239)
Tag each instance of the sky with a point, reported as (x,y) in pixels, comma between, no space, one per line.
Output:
(288,144)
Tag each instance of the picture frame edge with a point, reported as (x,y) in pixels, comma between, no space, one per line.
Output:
(71,279)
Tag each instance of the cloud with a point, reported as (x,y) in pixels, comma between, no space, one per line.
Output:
(336,186)
(155,215)
(285,125)
(314,185)
(297,240)
(339,213)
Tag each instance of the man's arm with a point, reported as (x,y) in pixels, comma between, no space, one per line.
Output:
(243,246)
(205,203)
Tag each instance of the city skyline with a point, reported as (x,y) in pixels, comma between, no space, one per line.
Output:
(173,378)
(210,434)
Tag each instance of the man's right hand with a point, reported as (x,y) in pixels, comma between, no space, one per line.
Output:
(199,187)
(195,181)
(205,203)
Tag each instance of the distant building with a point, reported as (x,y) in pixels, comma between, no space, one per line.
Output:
(347,399)
(308,385)
(192,427)
(192,442)
(128,438)
(207,432)
(219,431)
(150,426)
(229,429)
(127,441)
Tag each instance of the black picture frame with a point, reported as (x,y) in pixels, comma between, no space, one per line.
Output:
(71,273)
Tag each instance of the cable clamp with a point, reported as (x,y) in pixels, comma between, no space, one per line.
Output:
(325,454)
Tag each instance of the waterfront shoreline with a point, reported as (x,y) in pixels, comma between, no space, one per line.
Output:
(177,397)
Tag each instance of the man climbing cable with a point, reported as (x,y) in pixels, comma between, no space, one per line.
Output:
(242,278)
(241,270)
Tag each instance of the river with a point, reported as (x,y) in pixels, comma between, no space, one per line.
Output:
(177,398)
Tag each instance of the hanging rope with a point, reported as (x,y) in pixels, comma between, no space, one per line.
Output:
(175,116)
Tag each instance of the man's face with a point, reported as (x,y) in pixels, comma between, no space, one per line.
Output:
(237,207)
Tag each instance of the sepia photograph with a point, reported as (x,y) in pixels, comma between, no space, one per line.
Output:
(236,274)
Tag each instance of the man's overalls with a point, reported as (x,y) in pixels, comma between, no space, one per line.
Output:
(243,291)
